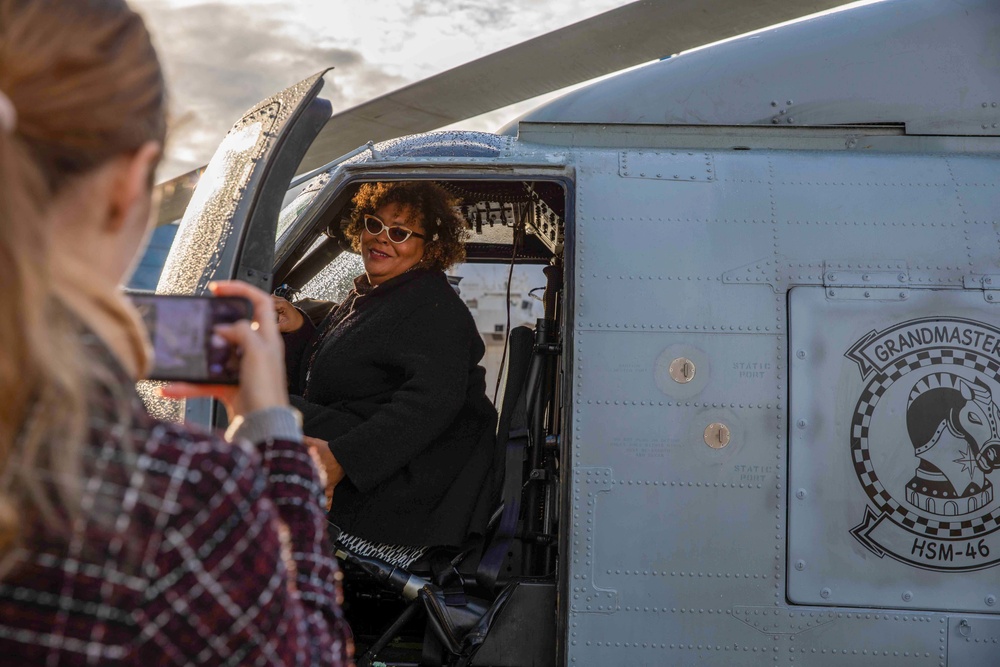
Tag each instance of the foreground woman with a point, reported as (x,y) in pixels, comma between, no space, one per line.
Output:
(390,381)
(124,540)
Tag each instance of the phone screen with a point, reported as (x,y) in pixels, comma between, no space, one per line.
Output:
(181,330)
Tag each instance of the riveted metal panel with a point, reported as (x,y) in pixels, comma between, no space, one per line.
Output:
(871,211)
(643,250)
(675,508)
(700,201)
(864,194)
(666,444)
(869,638)
(874,437)
(679,165)
(673,595)
(635,368)
(807,168)
(631,646)
(663,567)
(973,640)
(977,195)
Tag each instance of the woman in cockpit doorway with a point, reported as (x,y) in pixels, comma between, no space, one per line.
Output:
(389,382)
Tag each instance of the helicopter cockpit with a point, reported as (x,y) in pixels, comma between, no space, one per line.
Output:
(480,602)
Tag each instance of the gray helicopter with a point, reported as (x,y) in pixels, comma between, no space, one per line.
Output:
(759,423)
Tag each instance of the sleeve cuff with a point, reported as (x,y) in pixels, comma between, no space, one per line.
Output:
(277,423)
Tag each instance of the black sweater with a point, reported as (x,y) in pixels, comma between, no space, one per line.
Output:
(392,380)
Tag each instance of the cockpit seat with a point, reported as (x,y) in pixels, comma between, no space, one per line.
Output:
(462,594)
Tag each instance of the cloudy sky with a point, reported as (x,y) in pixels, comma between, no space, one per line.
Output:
(223,56)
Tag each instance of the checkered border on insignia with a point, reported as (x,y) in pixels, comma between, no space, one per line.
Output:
(901,514)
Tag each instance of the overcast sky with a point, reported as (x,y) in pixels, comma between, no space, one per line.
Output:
(223,56)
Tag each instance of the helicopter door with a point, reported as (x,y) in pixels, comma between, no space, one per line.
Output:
(229,228)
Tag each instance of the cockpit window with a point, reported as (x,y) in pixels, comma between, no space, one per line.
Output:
(336,279)
(300,202)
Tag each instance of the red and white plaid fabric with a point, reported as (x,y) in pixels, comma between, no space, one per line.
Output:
(177,558)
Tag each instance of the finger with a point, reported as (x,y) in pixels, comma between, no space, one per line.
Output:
(243,337)
(241,334)
(190,390)
(261,301)
(315,442)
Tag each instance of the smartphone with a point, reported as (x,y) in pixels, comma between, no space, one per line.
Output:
(184,346)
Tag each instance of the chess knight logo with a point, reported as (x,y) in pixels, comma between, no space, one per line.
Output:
(925,440)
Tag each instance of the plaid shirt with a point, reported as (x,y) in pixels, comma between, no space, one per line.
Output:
(177,558)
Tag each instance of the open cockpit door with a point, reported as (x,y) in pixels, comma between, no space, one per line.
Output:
(228,230)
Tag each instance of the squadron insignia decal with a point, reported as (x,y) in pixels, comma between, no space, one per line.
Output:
(925,440)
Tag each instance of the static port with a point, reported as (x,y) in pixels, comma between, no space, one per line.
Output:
(717,435)
(682,370)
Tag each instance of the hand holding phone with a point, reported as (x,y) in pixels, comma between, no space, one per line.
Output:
(186,347)
(261,360)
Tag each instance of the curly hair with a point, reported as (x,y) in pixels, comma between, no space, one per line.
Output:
(435,208)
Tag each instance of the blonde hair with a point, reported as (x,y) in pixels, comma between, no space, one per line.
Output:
(87,86)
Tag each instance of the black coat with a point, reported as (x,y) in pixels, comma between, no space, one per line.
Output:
(392,380)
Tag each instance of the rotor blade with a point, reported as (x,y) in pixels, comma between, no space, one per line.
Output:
(624,37)
(630,35)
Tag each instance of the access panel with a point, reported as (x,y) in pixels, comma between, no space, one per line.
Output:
(894,446)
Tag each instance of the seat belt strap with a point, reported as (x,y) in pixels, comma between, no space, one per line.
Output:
(492,562)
